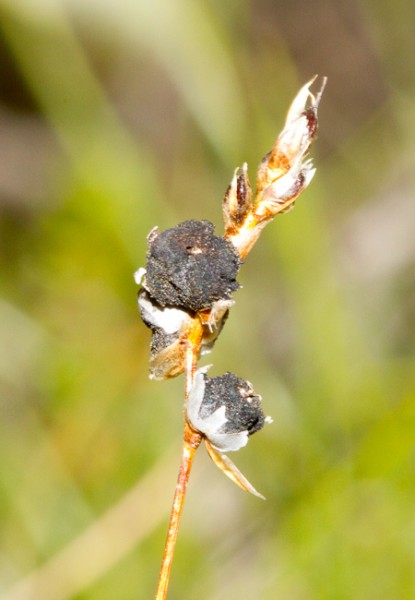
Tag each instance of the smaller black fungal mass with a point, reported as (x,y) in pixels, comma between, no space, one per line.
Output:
(161,340)
(243,410)
(189,267)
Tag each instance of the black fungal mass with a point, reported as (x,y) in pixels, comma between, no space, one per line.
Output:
(189,267)
(243,411)
(161,340)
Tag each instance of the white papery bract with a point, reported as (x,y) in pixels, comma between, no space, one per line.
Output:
(170,320)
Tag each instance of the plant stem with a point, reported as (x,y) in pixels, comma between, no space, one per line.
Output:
(194,336)
(191,443)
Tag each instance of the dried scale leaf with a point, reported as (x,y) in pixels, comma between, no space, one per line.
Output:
(238,200)
(225,464)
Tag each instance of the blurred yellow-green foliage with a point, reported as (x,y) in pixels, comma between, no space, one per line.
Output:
(116,116)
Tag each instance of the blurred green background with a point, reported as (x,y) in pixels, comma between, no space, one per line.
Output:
(116,116)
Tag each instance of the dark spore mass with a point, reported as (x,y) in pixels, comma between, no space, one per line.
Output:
(191,268)
(243,409)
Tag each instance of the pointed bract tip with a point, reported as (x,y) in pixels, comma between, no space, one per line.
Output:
(305,96)
(321,90)
(231,470)
(238,199)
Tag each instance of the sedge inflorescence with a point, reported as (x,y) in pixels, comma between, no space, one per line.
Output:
(190,277)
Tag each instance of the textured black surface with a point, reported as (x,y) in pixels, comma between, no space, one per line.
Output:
(189,267)
(161,340)
(243,409)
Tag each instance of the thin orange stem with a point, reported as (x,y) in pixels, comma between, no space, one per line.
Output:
(193,340)
(247,234)
(191,443)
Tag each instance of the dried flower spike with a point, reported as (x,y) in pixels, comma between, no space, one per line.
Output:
(191,273)
(283,174)
(186,295)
